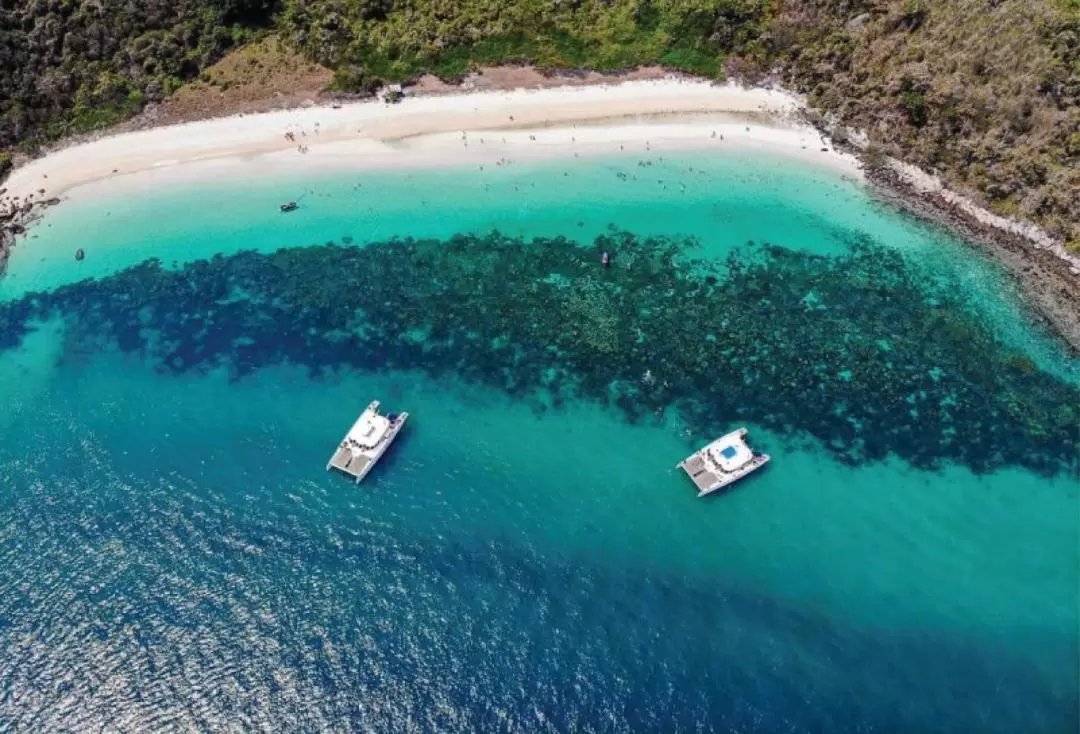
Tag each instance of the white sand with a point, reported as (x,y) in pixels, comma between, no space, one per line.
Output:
(479,128)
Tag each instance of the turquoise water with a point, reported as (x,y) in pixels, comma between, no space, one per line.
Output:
(527,558)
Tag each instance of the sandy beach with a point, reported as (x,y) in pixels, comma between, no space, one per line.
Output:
(480,128)
(438,126)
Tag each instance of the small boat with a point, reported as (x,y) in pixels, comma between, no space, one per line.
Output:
(723,462)
(289,206)
(605,259)
(366,442)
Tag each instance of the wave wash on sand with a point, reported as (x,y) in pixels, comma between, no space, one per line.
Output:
(434,130)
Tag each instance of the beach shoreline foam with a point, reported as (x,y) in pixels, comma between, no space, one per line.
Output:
(481,128)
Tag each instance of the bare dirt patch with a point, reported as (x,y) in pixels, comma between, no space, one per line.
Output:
(529,77)
(261,76)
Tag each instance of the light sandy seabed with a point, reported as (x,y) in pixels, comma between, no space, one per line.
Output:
(481,128)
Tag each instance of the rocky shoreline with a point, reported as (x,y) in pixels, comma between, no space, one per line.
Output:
(16,216)
(1047,276)
(1049,282)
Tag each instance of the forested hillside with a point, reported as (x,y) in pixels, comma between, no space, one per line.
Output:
(987,92)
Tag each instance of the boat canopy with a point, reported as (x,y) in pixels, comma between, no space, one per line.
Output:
(369,430)
(731,452)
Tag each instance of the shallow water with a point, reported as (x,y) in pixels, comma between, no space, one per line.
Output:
(526,557)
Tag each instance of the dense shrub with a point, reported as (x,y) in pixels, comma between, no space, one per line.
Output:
(985,92)
(80,64)
(398,39)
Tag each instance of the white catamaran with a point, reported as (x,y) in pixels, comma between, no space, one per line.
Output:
(722,462)
(366,442)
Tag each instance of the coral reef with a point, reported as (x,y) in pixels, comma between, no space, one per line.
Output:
(860,351)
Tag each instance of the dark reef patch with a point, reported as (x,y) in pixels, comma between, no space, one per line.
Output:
(860,351)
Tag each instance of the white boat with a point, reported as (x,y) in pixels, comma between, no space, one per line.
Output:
(722,462)
(366,442)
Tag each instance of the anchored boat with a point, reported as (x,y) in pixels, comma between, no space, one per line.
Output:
(724,461)
(366,442)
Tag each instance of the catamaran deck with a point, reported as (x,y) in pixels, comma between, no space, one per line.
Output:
(696,469)
(352,464)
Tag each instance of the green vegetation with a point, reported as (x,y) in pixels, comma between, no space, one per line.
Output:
(75,65)
(400,39)
(985,92)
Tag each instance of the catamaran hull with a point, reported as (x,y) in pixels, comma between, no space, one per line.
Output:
(358,464)
(709,476)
